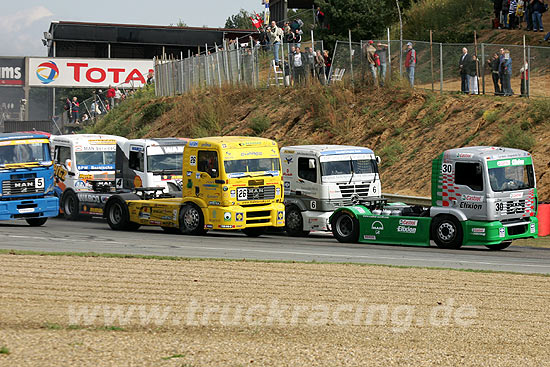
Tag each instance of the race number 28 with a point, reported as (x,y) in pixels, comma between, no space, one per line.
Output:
(447,168)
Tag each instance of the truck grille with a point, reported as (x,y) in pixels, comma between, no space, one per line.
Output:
(256,193)
(28,186)
(514,207)
(353,192)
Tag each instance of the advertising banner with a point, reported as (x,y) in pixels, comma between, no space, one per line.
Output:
(12,71)
(87,73)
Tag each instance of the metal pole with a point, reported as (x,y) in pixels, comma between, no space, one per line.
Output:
(238,61)
(218,63)
(350,55)
(483,68)
(432,58)
(206,65)
(400,39)
(525,66)
(441,68)
(477,61)
(389,54)
(528,81)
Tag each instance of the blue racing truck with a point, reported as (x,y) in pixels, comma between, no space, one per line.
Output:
(26,177)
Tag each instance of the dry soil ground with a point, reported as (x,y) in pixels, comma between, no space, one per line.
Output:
(40,295)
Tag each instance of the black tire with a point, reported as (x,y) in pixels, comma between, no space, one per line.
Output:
(345,227)
(117,215)
(70,205)
(446,232)
(171,230)
(191,220)
(36,222)
(253,231)
(294,222)
(500,246)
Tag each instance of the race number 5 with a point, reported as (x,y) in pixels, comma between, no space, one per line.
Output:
(39,183)
(447,168)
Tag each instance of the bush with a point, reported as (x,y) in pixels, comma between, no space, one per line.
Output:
(390,153)
(259,124)
(515,137)
(490,116)
(539,110)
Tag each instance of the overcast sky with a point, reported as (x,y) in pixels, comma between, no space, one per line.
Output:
(23,22)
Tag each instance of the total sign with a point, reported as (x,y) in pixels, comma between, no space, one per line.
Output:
(97,73)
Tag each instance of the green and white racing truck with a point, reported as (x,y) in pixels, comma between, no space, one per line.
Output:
(480,196)
(320,178)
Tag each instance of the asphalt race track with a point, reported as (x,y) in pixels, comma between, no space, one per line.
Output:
(94,235)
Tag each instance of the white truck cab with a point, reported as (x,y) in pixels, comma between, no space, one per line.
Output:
(321,178)
(150,163)
(83,162)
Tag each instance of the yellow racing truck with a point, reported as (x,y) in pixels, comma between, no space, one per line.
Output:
(229,183)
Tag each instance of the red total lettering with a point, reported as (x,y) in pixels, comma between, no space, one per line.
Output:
(77,66)
(116,74)
(135,75)
(102,75)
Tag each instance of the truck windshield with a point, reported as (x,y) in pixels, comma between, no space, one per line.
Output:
(251,165)
(165,163)
(95,161)
(512,178)
(14,153)
(362,166)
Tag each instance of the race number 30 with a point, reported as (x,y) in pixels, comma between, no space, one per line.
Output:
(447,168)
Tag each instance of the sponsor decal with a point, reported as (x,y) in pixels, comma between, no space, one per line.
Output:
(288,160)
(193,144)
(174,215)
(369,237)
(144,213)
(502,232)
(197,175)
(465,205)
(408,222)
(377,226)
(166,217)
(516,195)
(226,226)
(478,231)
(227,216)
(60,172)
(287,185)
(533,228)
(154,222)
(25,210)
(405,229)
(47,72)
(510,162)
(464,155)
(136,148)
(278,191)
(280,215)
(473,198)
(214,203)
(359,209)
(189,173)
(232,194)
(208,226)
(239,217)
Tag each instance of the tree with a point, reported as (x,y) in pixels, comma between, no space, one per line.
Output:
(241,20)
(180,23)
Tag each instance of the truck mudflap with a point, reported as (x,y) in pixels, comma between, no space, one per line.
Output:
(495,232)
(239,217)
(29,208)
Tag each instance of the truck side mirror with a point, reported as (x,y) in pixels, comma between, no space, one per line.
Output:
(312,163)
(69,165)
(378,160)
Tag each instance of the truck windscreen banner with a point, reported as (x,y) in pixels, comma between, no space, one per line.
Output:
(94,73)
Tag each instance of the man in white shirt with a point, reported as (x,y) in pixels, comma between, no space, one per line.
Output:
(276,37)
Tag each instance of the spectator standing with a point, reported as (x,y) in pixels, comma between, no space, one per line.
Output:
(276,37)
(328,64)
(68,107)
(525,80)
(310,57)
(111,93)
(494,66)
(497,7)
(465,60)
(506,73)
(320,16)
(299,61)
(520,13)
(471,70)
(75,107)
(410,62)
(538,9)
(289,36)
(150,77)
(118,97)
(370,51)
(512,14)
(504,12)
(319,66)
(382,53)
(529,15)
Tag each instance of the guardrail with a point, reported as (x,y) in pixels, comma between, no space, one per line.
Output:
(411,200)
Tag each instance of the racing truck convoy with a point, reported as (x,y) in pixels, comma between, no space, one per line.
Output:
(229,183)
(26,176)
(131,163)
(321,178)
(480,196)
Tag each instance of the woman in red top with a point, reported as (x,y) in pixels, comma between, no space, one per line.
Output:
(111,95)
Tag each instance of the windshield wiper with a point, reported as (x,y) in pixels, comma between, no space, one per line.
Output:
(165,171)
(352,171)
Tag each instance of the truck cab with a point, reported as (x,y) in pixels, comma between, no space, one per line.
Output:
(321,178)
(480,196)
(84,164)
(150,163)
(229,183)
(26,178)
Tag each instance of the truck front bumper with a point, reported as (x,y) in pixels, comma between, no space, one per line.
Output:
(495,232)
(29,208)
(239,217)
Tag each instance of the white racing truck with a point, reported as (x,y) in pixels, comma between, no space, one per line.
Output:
(117,164)
(318,179)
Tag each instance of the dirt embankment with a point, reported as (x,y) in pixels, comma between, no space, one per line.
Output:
(186,313)
(407,128)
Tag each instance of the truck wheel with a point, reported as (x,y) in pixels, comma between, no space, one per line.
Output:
(253,231)
(191,220)
(118,217)
(36,222)
(500,246)
(294,222)
(345,227)
(70,205)
(446,232)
